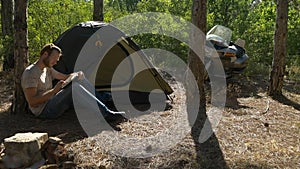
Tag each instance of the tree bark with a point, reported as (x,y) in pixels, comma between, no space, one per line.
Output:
(197,42)
(209,153)
(98,10)
(280,49)
(20,53)
(7,33)
(195,64)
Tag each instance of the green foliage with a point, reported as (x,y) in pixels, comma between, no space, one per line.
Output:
(123,5)
(164,43)
(8,49)
(260,33)
(251,20)
(112,10)
(293,58)
(47,19)
(181,8)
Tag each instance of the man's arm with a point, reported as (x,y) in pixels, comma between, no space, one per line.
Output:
(58,75)
(34,99)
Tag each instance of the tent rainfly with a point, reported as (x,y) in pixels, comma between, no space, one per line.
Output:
(111,60)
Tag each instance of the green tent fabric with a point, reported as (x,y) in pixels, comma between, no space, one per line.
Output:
(135,74)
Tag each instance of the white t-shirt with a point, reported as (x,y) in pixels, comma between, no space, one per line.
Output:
(33,76)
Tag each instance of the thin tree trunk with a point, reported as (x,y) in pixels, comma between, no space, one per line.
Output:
(195,64)
(209,153)
(197,42)
(280,49)
(7,33)
(20,53)
(98,10)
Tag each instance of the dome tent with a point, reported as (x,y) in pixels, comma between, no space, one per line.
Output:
(113,48)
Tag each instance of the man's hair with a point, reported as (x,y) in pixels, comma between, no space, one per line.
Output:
(49,48)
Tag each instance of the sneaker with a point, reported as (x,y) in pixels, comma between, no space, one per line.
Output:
(114,116)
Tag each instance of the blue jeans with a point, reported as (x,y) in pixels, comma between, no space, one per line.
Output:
(63,100)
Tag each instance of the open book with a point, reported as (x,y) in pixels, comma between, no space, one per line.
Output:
(69,80)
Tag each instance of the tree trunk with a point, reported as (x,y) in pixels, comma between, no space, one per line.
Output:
(280,49)
(195,64)
(209,153)
(7,33)
(98,10)
(20,53)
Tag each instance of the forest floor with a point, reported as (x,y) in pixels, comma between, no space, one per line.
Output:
(256,131)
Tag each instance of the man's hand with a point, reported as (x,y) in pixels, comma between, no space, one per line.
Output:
(80,75)
(58,86)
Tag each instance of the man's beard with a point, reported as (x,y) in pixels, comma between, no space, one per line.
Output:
(46,62)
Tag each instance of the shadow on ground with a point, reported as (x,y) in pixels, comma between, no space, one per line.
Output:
(247,165)
(66,127)
(244,87)
(209,153)
(286,101)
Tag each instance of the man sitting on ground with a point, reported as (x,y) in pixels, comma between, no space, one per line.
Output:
(46,101)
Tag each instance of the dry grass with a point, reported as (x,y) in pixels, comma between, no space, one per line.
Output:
(256,131)
(269,138)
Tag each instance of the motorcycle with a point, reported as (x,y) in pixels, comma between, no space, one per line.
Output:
(232,54)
